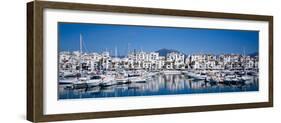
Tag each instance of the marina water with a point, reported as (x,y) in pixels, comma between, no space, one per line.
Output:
(160,84)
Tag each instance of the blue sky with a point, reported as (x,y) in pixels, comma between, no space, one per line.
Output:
(99,37)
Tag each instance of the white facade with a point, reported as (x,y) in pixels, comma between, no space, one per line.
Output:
(153,61)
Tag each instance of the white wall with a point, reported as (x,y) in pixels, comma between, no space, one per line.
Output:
(13,60)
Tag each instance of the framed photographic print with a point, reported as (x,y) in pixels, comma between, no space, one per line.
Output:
(96,61)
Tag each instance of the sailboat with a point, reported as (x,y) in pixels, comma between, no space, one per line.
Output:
(82,80)
(246,77)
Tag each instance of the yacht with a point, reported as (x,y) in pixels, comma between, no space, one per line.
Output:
(121,80)
(94,81)
(197,76)
(136,78)
(108,81)
(67,81)
(171,72)
(81,83)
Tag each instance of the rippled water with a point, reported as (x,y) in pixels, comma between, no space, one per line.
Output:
(158,85)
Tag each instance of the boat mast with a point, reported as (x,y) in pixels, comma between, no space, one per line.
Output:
(80,63)
(115,52)
(244,51)
(244,55)
(128,50)
(81,43)
(244,59)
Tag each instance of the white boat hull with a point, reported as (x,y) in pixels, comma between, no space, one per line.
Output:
(92,83)
(67,81)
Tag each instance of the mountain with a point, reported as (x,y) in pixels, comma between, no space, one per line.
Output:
(164,51)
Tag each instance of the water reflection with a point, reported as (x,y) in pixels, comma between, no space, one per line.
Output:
(158,85)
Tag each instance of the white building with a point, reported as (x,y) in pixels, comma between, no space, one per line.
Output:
(177,59)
